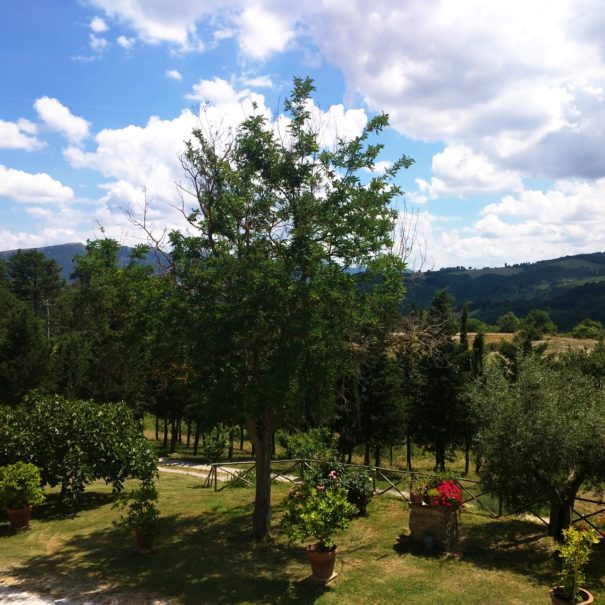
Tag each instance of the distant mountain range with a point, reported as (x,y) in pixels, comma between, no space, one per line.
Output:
(64,255)
(570,288)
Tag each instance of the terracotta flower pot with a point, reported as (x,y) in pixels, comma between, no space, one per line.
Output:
(322,563)
(19,517)
(144,541)
(557,597)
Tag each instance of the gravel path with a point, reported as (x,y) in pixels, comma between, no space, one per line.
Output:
(10,595)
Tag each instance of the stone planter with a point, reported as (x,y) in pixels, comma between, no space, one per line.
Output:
(436,522)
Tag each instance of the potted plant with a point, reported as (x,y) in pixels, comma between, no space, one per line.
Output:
(318,511)
(574,555)
(140,514)
(20,489)
(418,492)
(437,517)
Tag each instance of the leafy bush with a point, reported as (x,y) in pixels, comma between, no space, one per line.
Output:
(76,442)
(357,482)
(139,510)
(574,554)
(20,485)
(317,443)
(317,511)
(216,441)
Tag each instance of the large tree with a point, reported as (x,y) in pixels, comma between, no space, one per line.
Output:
(541,435)
(281,223)
(35,279)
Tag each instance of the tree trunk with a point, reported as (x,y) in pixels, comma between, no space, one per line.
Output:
(408,452)
(179,425)
(391,455)
(174,433)
(377,456)
(350,455)
(467,457)
(261,432)
(196,438)
(231,439)
(366,456)
(165,442)
(440,458)
(241,437)
(157,427)
(561,510)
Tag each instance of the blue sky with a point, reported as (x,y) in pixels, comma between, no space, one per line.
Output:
(502,106)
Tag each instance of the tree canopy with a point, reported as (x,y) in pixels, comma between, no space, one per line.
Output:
(281,222)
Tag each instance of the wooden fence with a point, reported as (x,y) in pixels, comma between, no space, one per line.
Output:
(399,482)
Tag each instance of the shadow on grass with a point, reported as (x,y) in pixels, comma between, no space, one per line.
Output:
(210,558)
(53,508)
(513,545)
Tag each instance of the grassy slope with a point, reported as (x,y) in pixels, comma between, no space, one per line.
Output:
(206,554)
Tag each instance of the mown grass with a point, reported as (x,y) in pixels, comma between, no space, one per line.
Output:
(206,554)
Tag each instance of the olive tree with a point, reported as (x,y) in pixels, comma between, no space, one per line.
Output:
(541,436)
(280,222)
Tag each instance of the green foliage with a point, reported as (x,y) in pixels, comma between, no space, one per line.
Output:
(588,328)
(542,431)
(317,511)
(101,349)
(76,442)
(23,349)
(317,443)
(20,485)
(266,279)
(216,441)
(508,323)
(574,555)
(537,323)
(139,509)
(357,482)
(34,279)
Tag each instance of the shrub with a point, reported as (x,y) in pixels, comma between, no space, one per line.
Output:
(139,510)
(76,442)
(216,441)
(20,485)
(317,443)
(574,555)
(317,511)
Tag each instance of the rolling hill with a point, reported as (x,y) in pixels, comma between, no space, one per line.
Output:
(569,288)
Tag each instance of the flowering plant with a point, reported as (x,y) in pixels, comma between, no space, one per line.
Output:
(446,494)
(317,511)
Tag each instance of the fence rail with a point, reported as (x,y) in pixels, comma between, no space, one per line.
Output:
(398,482)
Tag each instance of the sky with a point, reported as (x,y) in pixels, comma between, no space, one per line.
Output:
(501,105)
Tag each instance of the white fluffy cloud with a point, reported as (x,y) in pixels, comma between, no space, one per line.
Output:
(25,187)
(98,26)
(19,135)
(519,84)
(140,161)
(530,226)
(58,117)
(174,74)
(458,171)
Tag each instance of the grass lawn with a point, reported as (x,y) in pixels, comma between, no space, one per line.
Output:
(206,554)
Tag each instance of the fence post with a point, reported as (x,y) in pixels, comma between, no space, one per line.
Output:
(301,463)
(215,478)
(374,480)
